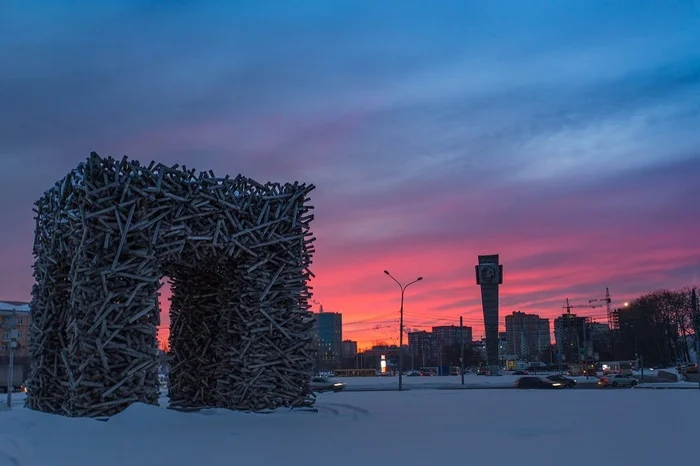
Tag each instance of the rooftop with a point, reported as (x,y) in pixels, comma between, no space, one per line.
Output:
(14,306)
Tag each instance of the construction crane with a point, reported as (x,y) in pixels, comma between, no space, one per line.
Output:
(587,341)
(612,321)
(569,307)
(607,300)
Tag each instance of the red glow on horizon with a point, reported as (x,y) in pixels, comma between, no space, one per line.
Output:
(369,300)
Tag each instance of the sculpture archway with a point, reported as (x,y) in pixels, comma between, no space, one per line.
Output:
(238,253)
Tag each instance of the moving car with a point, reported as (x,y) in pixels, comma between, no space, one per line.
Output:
(617,380)
(532,381)
(565,381)
(322,384)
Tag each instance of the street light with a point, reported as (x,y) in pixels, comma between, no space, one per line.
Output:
(403,289)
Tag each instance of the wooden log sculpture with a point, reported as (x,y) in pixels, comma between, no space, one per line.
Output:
(238,255)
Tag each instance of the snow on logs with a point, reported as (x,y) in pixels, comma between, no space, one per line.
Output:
(237,253)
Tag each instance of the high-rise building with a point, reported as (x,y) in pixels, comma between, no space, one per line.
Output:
(425,348)
(527,335)
(599,330)
(420,346)
(570,337)
(544,336)
(448,335)
(329,340)
(349,349)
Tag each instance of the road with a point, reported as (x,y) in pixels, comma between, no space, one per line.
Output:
(587,386)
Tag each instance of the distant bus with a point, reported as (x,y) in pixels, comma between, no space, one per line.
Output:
(355,372)
(589,369)
(617,367)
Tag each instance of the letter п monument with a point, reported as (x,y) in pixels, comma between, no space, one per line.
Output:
(237,254)
(489,274)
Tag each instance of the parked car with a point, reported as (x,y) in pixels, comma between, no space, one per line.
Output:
(691,369)
(532,381)
(322,384)
(17,378)
(483,371)
(617,380)
(565,381)
(521,373)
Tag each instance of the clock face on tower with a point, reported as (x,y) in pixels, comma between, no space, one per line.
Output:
(488,273)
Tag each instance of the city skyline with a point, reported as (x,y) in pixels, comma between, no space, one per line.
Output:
(563,138)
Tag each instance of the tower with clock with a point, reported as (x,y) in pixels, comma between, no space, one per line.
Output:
(489,275)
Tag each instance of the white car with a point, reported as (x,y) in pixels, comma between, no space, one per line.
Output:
(617,380)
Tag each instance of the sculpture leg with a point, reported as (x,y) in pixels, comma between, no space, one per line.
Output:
(195,316)
(113,345)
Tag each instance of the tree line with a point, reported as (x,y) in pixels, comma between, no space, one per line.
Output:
(659,328)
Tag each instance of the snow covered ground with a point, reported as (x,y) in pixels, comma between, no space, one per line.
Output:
(681,384)
(419,427)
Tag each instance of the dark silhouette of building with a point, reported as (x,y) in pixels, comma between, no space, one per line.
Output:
(448,335)
(349,359)
(349,349)
(570,337)
(383,358)
(329,338)
(527,335)
(426,348)
(420,346)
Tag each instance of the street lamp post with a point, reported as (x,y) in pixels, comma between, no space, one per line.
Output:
(403,289)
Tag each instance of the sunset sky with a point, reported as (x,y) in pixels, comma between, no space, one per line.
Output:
(562,135)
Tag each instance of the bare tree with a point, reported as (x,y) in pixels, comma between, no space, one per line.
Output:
(658,324)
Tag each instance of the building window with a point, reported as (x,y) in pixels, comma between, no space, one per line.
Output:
(6,336)
(4,348)
(19,335)
(19,321)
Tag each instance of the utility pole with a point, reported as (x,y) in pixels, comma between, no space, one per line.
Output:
(11,369)
(637,355)
(461,350)
(585,348)
(560,348)
(578,346)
